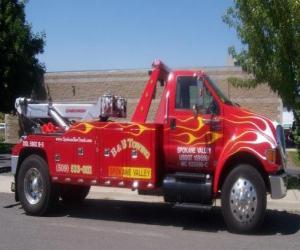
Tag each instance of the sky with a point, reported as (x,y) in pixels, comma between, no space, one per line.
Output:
(130,34)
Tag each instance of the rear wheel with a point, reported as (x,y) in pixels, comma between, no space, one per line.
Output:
(35,190)
(74,194)
(243,199)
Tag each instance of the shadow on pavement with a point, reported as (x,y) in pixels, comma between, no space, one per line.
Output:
(276,222)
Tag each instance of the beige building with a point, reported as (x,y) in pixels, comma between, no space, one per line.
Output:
(87,86)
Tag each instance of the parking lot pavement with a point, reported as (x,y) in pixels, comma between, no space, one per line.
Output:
(290,203)
(110,224)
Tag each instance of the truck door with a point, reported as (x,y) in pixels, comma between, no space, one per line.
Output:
(191,136)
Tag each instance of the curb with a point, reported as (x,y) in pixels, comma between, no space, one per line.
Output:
(290,203)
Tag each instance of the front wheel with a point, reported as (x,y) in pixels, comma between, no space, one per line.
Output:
(243,199)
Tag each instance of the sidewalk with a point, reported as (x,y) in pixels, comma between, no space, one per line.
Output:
(290,203)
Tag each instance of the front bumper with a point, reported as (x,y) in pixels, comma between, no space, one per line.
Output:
(278,186)
(14,164)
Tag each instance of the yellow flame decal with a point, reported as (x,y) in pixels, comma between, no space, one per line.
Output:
(85,128)
(189,133)
(200,124)
(191,138)
(140,130)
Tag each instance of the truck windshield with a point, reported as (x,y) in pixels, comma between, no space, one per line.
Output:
(216,88)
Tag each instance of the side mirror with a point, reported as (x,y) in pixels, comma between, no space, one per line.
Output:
(196,109)
(200,97)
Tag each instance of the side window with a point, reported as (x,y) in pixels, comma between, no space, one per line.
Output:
(207,98)
(188,92)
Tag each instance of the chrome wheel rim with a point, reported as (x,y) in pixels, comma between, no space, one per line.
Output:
(243,200)
(33,186)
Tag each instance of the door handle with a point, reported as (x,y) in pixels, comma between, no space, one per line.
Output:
(212,121)
(173,123)
(206,121)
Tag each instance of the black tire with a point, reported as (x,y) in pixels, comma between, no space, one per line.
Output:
(35,202)
(243,199)
(73,194)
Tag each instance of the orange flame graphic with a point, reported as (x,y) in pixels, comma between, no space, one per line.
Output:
(86,127)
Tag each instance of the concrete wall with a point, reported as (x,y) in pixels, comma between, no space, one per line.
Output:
(12,129)
(83,86)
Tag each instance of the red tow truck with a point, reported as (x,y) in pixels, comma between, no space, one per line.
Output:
(200,147)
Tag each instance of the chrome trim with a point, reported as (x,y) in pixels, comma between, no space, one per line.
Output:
(135,185)
(80,151)
(107,183)
(134,154)
(33,186)
(67,179)
(278,186)
(106,152)
(93,181)
(14,164)
(243,200)
(281,146)
(57,157)
(149,185)
(121,183)
(207,121)
(53,113)
(167,106)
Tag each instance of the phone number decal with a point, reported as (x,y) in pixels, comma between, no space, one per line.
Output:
(84,169)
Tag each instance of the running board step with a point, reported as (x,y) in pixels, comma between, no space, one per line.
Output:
(195,206)
(187,188)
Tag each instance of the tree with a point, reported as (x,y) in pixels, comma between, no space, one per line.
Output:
(269,31)
(21,74)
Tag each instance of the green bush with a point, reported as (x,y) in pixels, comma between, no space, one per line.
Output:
(293,183)
(5,148)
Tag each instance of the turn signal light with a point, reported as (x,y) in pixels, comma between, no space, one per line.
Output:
(271,155)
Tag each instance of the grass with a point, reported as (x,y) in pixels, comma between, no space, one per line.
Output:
(293,183)
(293,156)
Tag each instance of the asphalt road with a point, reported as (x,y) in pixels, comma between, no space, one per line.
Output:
(104,224)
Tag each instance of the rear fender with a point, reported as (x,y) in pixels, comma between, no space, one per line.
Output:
(23,154)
